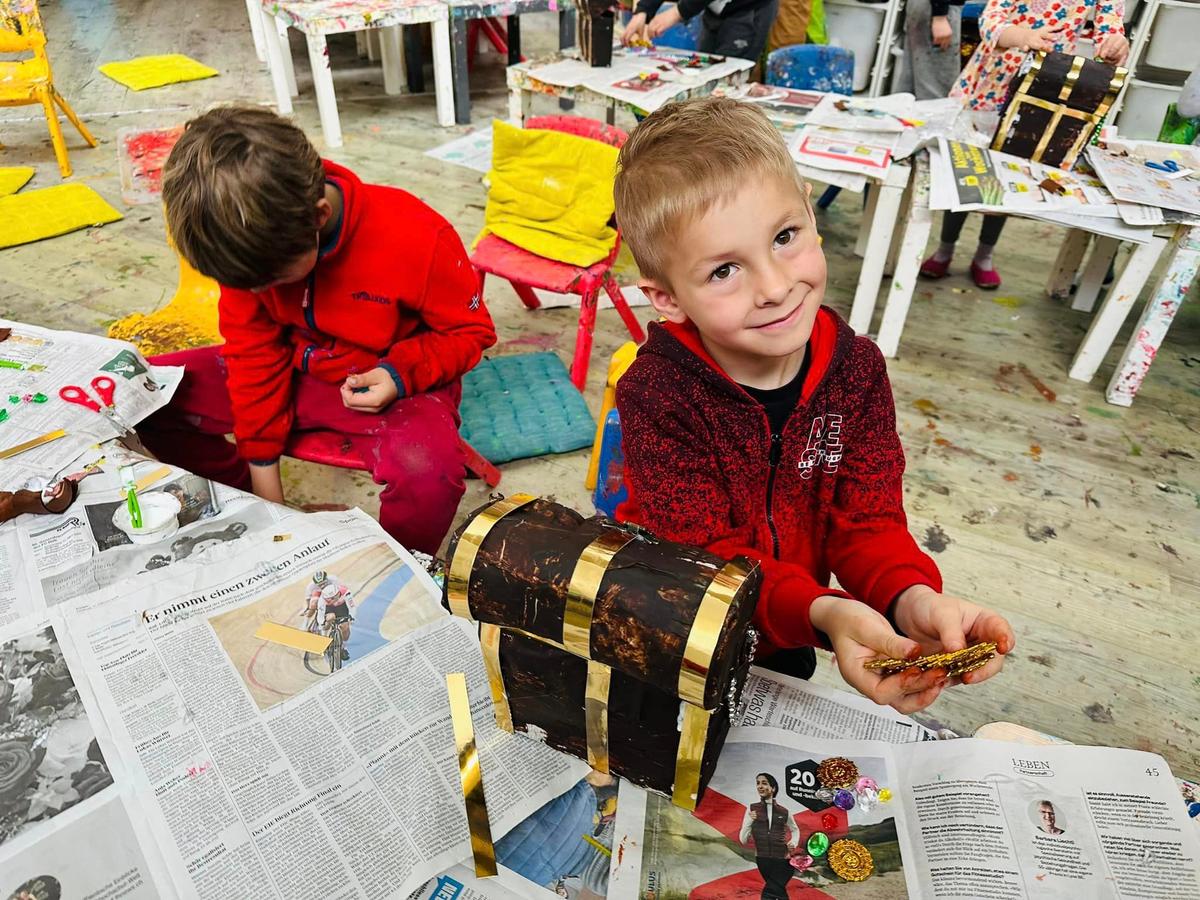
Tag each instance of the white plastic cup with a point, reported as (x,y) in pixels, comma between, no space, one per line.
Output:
(160,518)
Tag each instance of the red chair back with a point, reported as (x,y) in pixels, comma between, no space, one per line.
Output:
(581,127)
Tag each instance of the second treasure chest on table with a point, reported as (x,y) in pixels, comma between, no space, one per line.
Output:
(605,642)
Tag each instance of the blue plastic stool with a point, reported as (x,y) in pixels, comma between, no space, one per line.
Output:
(813,67)
(611,491)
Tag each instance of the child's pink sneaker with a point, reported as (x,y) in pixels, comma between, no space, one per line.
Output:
(935,268)
(985,279)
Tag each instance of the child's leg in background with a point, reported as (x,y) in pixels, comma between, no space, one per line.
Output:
(190,431)
(926,71)
(743,34)
(412,448)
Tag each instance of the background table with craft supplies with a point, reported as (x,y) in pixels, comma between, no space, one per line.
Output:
(639,80)
(1100,220)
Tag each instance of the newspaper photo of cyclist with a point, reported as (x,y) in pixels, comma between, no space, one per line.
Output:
(358,603)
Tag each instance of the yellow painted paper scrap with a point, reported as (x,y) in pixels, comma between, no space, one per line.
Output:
(292,637)
(155,71)
(47,212)
(14,178)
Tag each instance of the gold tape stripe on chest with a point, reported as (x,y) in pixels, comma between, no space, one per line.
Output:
(585,585)
(687,760)
(489,643)
(458,579)
(706,629)
(471,776)
(595,715)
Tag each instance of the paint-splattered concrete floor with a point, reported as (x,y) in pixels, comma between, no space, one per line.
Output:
(1080,520)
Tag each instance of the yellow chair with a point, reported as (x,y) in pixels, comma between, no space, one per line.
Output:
(28,81)
(621,360)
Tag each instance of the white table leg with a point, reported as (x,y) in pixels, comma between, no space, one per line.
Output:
(879,239)
(1147,337)
(1107,322)
(1070,256)
(254,10)
(372,45)
(908,264)
(443,75)
(393,60)
(285,49)
(871,198)
(360,43)
(1090,283)
(275,62)
(318,58)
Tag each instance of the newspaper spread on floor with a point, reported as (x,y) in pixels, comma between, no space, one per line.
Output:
(962,819)
(36,364)
(268,767)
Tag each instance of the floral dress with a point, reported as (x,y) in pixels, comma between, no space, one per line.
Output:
(984,81)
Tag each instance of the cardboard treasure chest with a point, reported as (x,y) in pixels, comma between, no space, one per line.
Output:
(1056,104)
(605,642)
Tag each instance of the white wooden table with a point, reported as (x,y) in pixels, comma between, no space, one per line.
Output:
(1183,263)
(318,18)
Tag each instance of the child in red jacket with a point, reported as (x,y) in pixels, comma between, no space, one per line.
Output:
(345,307)
(754,420)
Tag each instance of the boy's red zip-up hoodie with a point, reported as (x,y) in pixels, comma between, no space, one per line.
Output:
(824,496)
(396,290)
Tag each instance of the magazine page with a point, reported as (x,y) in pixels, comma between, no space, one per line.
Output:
(85,549)
(67,828)
(274,765)
(793,704)
(36,364)
(20,591)
(1001,821)
(767,822)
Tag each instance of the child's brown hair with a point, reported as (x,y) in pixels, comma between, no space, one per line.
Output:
(240,188)
(682,160)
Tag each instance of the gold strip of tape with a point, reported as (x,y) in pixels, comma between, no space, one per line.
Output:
(1047,134)
(471,776)
(706,628)
(35,442)
(1072,77)
(489,641)
(458,579)
(585,585)
(146,480)
(296,638)
(689,755)
(595,715)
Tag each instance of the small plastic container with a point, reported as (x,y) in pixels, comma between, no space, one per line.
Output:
(1144,108)
(160,518)
(1175,38)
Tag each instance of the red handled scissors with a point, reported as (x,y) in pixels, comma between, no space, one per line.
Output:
(106,390)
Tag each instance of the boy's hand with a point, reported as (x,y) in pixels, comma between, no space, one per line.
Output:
(634,29)
(267,483)
(380,390)
(940,31)
(1114,48)
(664,20)
(942,623)
(858,634)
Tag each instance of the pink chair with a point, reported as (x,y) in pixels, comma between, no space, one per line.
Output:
(526,271)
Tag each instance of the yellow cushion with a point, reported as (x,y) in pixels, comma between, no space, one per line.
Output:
(156,71)
(551,194)
(47,212)
(13,178)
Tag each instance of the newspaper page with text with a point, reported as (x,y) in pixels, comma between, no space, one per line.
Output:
(967,819)
(288,770)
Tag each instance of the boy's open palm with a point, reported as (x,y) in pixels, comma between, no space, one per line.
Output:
(370,391)
(858,633)
(941,623)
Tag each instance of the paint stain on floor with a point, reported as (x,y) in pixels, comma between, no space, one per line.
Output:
(935,540)
(1103,413)
(1042,660)
(1098,713)
(1037,383)
(1040,535)
(928,407)
(1009,302)
(1035,451)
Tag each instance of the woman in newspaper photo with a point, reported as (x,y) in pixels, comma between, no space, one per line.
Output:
(775,835)
(1048,816)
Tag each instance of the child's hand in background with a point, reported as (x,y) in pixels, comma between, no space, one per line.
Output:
(1114,48)
(858,634)
(635,29)
(370,391)
(940,32)
(668,18)
(1020,37)
(942,623)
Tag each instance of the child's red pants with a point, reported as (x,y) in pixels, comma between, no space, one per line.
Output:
(412,448)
